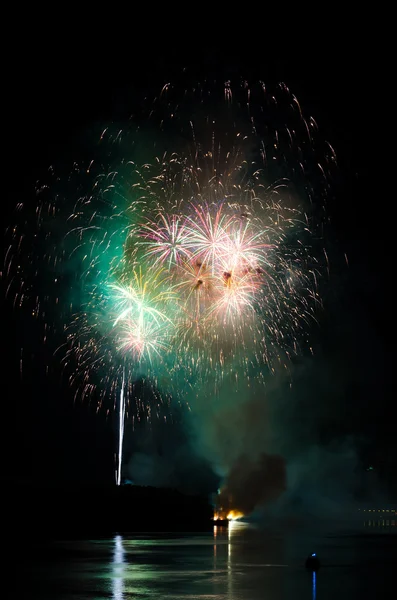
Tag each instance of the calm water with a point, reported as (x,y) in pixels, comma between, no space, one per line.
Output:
(242,563)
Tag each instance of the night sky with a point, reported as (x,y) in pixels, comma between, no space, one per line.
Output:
(53,95)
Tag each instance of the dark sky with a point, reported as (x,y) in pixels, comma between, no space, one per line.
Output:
(53,92)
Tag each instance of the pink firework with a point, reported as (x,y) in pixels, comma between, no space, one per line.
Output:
(167,241)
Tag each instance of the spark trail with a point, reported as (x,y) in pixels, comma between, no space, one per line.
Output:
(121,430)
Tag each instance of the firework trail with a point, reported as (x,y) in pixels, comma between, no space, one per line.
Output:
(121,430)
(190,269)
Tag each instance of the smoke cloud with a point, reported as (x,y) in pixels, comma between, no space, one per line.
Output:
(298,444)
(253,483)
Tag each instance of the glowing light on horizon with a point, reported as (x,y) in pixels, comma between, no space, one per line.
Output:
(233,515)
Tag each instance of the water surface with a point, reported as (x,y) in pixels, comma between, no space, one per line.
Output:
(244,562)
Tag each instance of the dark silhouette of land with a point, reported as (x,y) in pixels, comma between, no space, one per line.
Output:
(102,510)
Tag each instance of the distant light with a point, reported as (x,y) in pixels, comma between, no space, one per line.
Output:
(314,554)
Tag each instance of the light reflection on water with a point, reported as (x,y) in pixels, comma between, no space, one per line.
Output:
(227,565)
(241,562)
(118,568)
(314,582)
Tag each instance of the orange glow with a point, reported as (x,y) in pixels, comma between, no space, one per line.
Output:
(234,514)
(219,515)
(223,515)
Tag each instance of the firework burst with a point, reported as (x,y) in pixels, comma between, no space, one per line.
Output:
(198,262)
